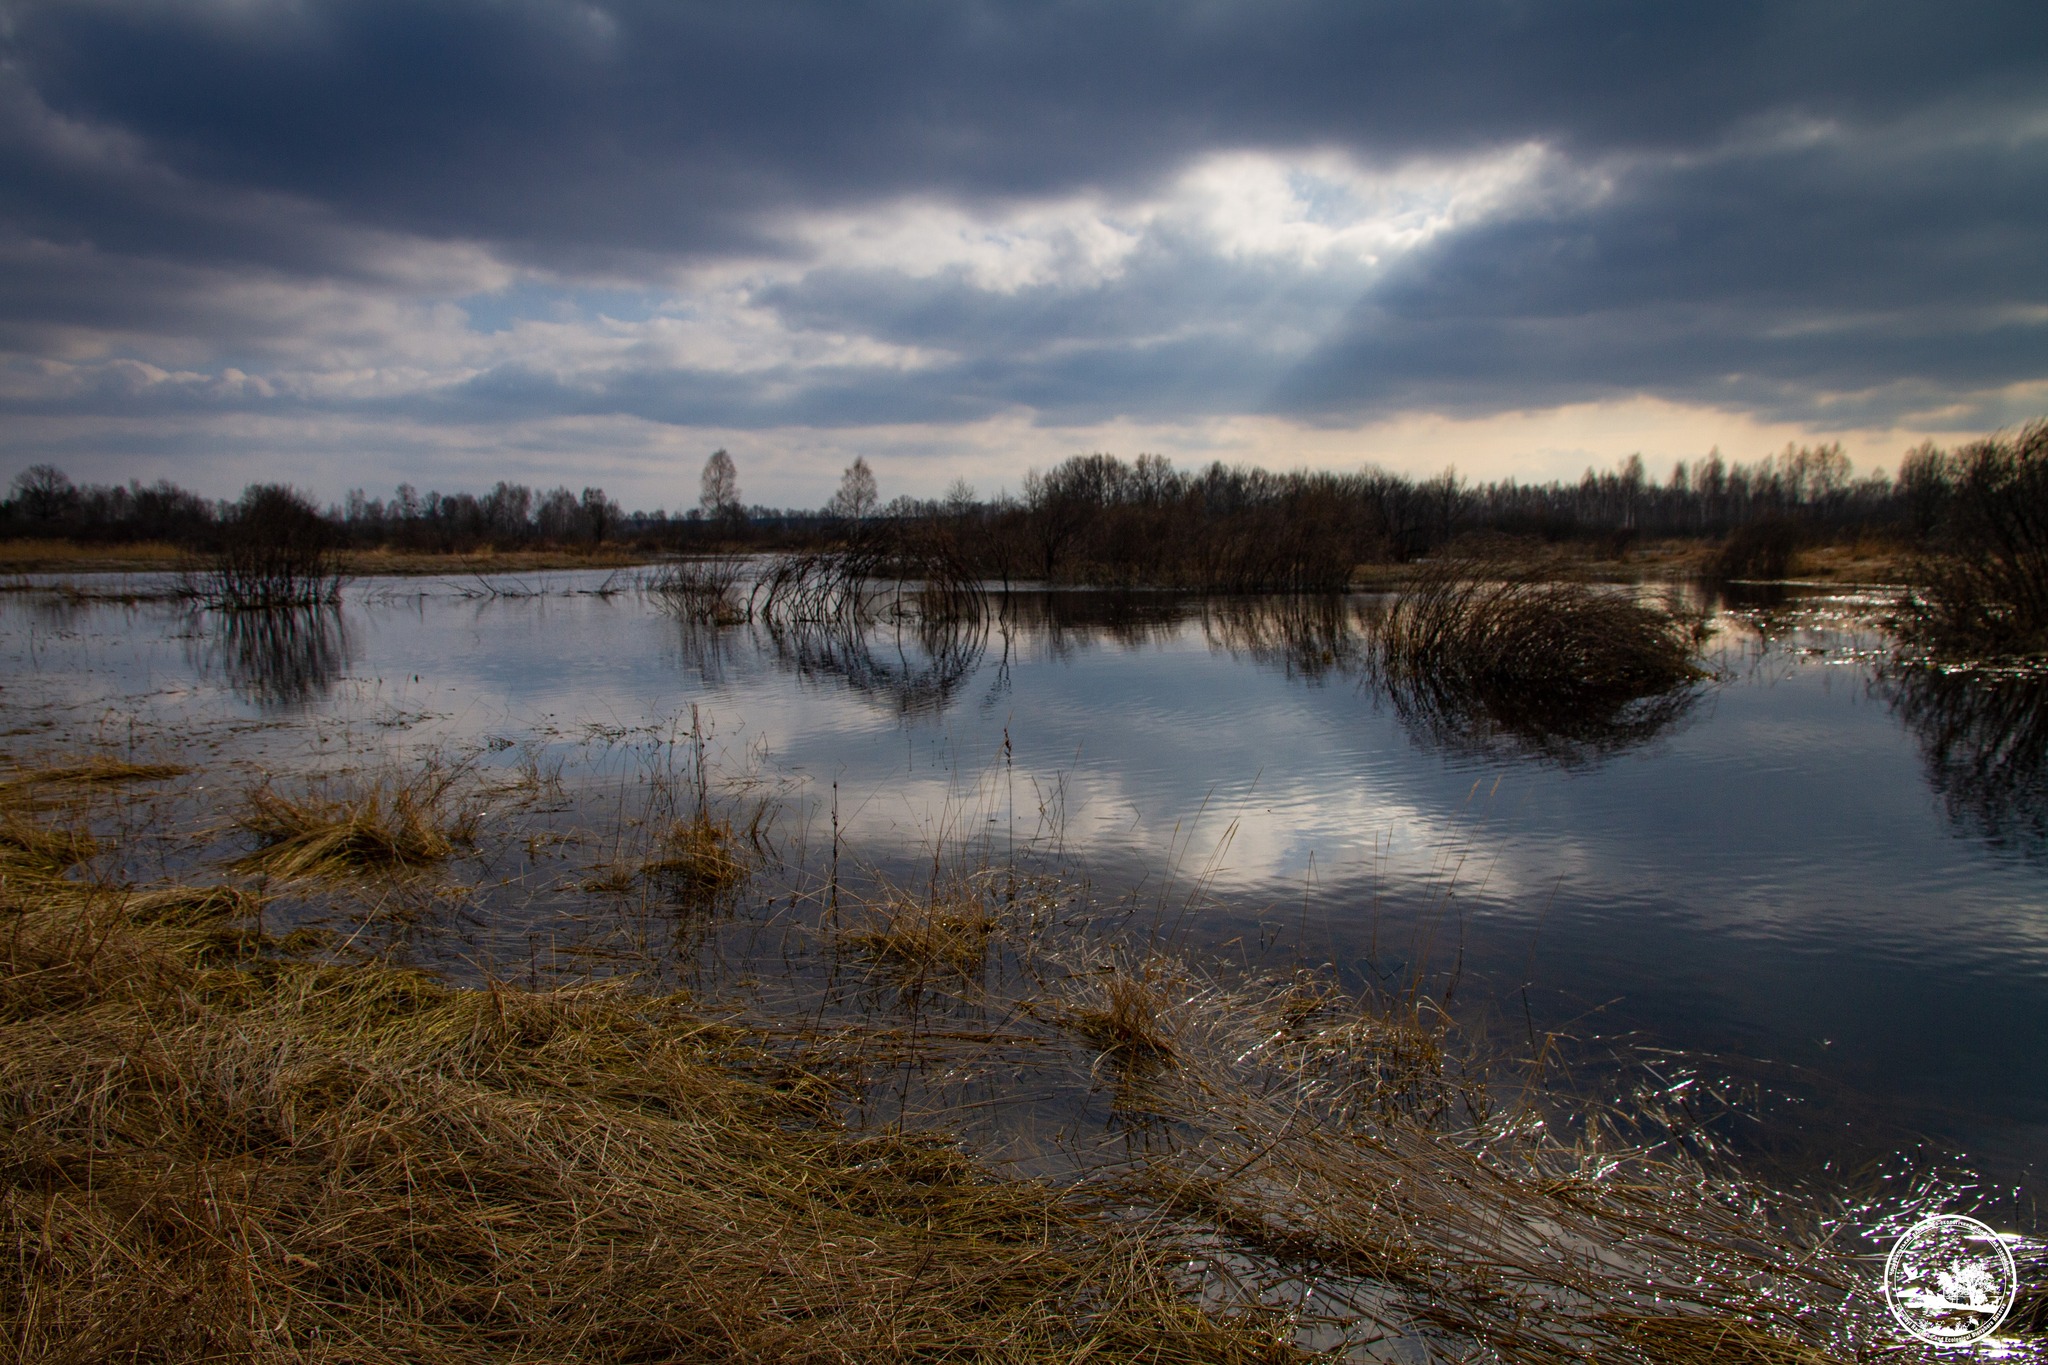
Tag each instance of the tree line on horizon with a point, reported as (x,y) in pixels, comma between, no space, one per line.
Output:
(1091,517)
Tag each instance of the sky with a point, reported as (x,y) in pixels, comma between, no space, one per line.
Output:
(348,243)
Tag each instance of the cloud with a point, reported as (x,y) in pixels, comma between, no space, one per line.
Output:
(466,215)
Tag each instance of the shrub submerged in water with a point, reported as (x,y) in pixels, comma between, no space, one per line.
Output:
(1473,636)
(274,550)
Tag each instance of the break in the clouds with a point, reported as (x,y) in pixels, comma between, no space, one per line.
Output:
(445,239)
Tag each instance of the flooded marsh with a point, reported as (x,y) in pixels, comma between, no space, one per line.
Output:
(1390,1019)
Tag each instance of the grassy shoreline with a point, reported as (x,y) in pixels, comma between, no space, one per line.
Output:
(226,1143)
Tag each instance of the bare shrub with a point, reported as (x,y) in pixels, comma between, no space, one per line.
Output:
(702,591)
(1759,550)
(273,550)
(1983,590)
(883,569)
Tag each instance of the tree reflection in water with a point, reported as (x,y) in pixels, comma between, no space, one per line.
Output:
(1310,638)
(1984,739)
(918,667)
(279,658)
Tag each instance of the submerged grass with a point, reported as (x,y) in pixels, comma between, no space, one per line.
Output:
(94,772)
(1123,1012)
(210,1155)
(698,857)
(385,826)
(1344,1161)
(945,934)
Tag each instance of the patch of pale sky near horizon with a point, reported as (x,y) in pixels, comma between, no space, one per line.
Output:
(647,465)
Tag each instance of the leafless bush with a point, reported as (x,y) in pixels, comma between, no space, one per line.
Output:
(705,591)
(1984,590)
(1759,550)
(906,570)
(273,550)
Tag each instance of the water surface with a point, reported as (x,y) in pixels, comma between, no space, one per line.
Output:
(1824,874)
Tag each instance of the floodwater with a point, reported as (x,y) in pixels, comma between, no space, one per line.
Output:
(1810,873)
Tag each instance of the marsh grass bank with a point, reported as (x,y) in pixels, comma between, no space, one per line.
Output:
(223,1143)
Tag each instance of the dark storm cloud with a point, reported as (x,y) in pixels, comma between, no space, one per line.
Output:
(655,125)
(1799,199)
(1754,279)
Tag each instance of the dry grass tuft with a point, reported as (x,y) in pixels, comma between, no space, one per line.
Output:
(263,1160)
(699,857)
(945,935)
(40,851)
(1125,1012)
(385,827)
(612,879)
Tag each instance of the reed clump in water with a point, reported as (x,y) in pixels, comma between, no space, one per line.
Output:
(1123,1011)
(1528,651)
(945,935)
(383,827)
(699,856)
(210,1155)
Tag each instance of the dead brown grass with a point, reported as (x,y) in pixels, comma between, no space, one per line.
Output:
(58,556)
(210,1150)
(946,935)
(41,787)
(1124,1011)
(698,857)
(382,827)
(208,1155)
(32,850)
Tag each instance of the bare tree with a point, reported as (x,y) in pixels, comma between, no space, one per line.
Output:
(960,499)
(720,497)
(857,493)
(600,514)
(44,492)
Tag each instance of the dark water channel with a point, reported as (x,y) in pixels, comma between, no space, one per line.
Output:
(1828,878)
